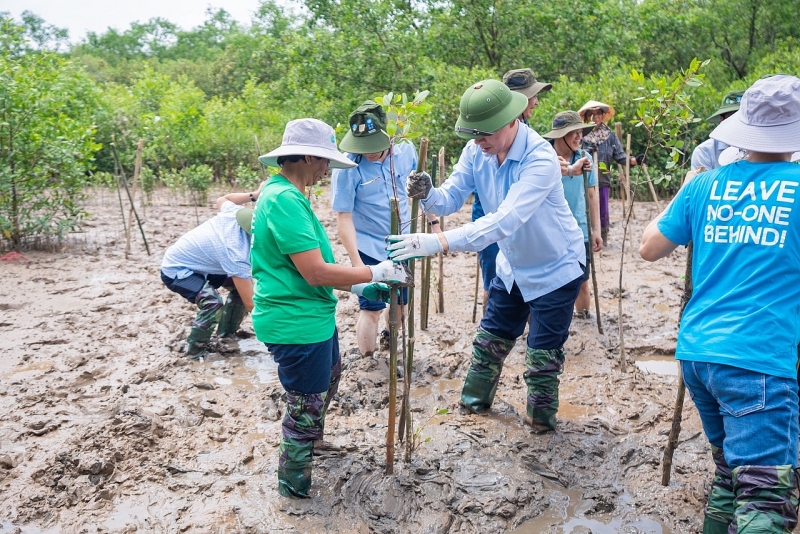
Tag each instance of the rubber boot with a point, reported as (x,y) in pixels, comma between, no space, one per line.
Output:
(544,367)
(197,343)
(766,499)
(302,425)
(233,314)
(719,511)
(488,354)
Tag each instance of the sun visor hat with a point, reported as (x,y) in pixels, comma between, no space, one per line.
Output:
(486,107)
(566,122)
(308,137)
(524,81)
(730,104)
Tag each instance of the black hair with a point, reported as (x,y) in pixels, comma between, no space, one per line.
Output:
(290,159)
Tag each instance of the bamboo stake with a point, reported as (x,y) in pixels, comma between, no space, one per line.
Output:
(623,194)
(119,195)
(136,170)
(405,409)
(425,298)
(477,278)
(652,188)
(590,259)
(260,166)
(442,228)
(125,183)
(394,309)
(628,177)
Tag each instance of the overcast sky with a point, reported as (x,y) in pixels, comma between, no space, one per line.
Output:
(82,16)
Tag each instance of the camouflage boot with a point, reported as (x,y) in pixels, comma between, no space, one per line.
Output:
(197,343)
(766,499)
(210,304)
(302,425)
(233,314)
(488,354)
(544,367)
(336,374)
(719,512)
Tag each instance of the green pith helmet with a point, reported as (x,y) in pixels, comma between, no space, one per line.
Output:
(486,107)
(245,219)
(367,133)
(730,104)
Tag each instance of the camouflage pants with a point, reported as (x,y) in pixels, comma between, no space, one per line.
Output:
(488,354)
(303,424)
(541,377)
(719,511)
(232,314)
(765,500)
(209,303)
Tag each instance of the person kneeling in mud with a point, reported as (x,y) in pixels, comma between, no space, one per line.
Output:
(737,342)
(541,262)
(213,255)
(295,308)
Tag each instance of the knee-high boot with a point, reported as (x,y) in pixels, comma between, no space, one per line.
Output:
(232,315)
(302,425)
(544,367)
(719,511)
(210,304)
(488,354)
(766,499)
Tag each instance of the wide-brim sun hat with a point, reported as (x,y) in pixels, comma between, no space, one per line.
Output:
(730,104)
(367,133)
(524,81)
(308,137)
(486,107)
(566,122)
(591,105)
(768,119)
(245,219)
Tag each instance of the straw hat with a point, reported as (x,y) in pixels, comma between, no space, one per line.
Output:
(308,137)
(768,119)
(591,105)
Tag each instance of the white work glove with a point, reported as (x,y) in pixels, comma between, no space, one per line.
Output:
(419,185)
(411,246)
(389,272)
(373,291)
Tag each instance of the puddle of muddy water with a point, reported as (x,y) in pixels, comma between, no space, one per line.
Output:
(658,365)
(565,517)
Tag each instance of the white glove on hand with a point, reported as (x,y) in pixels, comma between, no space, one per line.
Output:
(390,272)
(412,246)
(372,291)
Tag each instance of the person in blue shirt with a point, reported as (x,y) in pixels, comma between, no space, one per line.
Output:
(541,260)
(738,337)
(213,255)
(566,135)
(361,198)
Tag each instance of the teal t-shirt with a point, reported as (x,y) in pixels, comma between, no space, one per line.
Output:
(574,192)
(288,310)
(745,307)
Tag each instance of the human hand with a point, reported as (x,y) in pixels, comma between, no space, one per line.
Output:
(582,165)
(373,291)
(597,242)
(564,164)
(411,246)
(391,272)
(419,185)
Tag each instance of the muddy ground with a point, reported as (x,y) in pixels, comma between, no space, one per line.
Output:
(105,427)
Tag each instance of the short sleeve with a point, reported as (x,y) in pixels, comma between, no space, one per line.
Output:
(290,223)
(343,189)
(675,224)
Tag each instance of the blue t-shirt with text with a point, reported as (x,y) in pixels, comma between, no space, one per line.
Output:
(745,307)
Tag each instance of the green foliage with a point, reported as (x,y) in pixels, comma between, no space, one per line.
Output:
(47,141)
(197,179)
(664,112)
(402,114)
(246,177)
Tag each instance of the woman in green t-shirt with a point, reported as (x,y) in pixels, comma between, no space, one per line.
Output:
(295,308)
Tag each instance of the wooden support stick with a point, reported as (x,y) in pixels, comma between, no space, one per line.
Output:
(590,259)
(628,178)
(394,313)
(442,170)
(128,191)
(623,194)
(405,424)
(136,170)
(652,187)
(477,283)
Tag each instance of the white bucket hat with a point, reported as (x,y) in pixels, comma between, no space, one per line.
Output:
(768,119)
(308,137)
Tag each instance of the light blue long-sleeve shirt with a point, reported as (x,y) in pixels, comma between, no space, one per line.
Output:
(541,245)
(366,191)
